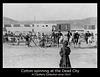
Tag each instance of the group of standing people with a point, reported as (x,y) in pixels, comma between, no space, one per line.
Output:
(57,38)
(60,37)
(74,37)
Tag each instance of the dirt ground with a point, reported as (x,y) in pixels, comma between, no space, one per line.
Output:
(37,57)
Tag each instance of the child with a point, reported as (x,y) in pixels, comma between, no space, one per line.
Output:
(64,53)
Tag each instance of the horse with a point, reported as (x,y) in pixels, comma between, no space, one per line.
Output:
(90,40)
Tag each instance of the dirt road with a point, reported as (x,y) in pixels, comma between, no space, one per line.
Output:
(37,57)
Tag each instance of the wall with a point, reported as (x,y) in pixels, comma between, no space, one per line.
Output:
(40,27)
(62,27)
(36,28)
(22,28)
(90,28)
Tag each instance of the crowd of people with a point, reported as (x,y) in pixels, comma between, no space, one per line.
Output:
(55,37)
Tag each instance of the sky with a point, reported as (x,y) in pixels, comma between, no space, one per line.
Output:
(49,11)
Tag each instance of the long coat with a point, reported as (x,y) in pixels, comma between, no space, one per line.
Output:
(65,60)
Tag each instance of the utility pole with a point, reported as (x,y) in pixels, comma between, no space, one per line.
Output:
(34,18)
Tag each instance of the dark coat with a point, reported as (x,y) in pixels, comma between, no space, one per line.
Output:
(69,34)
(65,61)
(76,35)
(87,35)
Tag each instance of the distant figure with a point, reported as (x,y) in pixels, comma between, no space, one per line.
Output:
(39,35)
(64,53)
(92,35)
(69,34)
(34,35)
(87,35)
(42,42)
(31,38)
(6,37)
(59,37)
(76,37)
(53,36)
(9,33)
(28,39)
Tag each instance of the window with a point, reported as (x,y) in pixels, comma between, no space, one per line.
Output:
(93,26)
(42,25)
(85,27)
(27,25)
(66,26)
(7,25)
(16,25)
(37,25)
(46,25)
(59,27)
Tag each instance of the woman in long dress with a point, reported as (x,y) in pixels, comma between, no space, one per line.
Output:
(64,53)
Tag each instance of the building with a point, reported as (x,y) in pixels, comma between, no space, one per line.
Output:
(62,27)
(43,27)
(91,28)
(4,30)
(48,26)
(38,27)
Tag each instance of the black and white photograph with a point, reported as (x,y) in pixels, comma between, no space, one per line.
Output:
(49,35)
